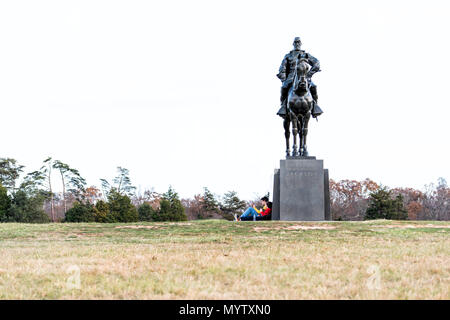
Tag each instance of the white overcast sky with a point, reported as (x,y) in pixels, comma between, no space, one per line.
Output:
(185,93)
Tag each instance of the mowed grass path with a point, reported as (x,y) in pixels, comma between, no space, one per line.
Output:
(226,260)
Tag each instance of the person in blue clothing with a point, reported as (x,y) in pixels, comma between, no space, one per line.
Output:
(254,213)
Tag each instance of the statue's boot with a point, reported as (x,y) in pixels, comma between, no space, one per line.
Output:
(316,111)
(282,111)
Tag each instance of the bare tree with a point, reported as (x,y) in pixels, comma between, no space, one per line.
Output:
(437,201)
(350,198)
(46,171)
(71,177)
(122,184)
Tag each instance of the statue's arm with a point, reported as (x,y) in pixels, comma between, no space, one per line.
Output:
(283,68)
(315,65)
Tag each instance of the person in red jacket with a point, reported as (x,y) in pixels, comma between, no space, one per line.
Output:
(254,213)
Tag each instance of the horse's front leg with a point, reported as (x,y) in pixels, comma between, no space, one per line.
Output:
(304,151)
(294,121)
(300,135)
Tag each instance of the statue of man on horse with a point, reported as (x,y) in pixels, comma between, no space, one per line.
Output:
(298,96)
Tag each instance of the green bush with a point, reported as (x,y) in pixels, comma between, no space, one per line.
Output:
(102,212)
(383,206)
(171,208)
(27,208)
(5,203)
(120,208)
(147,213)
(170,211)
(81,212)
(209,205)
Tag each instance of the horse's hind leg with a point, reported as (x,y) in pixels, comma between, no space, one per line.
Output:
(304,151)
(287,134)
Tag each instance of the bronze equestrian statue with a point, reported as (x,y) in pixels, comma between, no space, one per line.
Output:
(298,96)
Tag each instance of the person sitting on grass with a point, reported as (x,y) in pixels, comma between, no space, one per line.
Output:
(263,214)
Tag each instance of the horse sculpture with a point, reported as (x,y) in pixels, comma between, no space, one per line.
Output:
(299,105)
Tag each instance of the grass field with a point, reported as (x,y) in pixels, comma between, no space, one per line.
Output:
(226,260)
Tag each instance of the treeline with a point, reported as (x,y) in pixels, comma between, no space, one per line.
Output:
(30,197)
(359,200)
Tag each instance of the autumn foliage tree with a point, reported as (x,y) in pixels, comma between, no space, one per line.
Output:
(431,204)
(349,198)
(92,194)
(412,200)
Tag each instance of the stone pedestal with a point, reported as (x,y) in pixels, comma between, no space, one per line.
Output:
(301,190)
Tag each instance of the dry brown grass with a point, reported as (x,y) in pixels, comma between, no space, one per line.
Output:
(226,260)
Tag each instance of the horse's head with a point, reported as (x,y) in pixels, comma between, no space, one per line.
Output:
(302,70)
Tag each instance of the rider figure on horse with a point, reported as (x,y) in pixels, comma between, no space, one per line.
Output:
(287,72)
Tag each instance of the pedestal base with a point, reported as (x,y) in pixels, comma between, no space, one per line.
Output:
(301,191)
